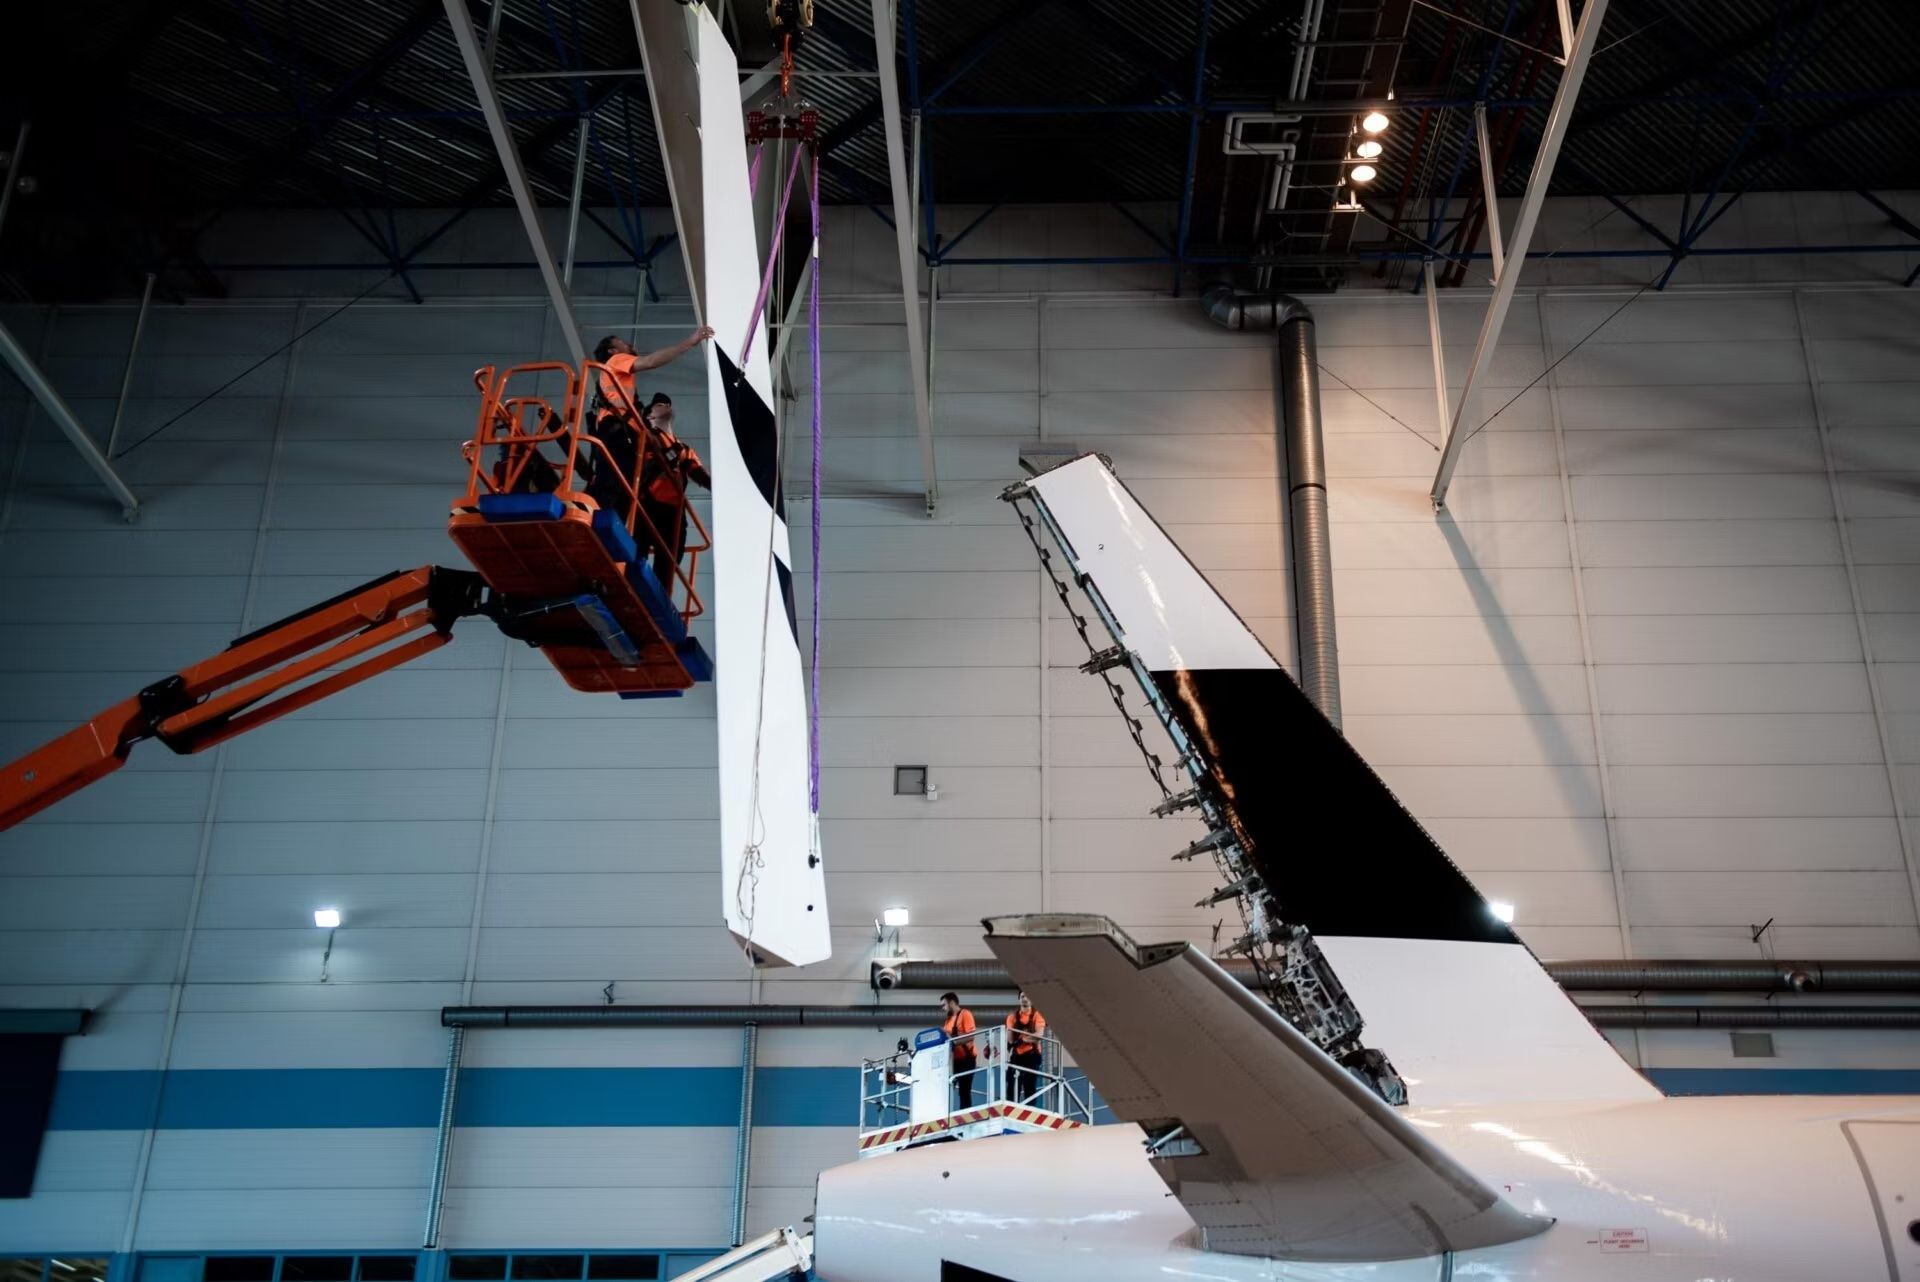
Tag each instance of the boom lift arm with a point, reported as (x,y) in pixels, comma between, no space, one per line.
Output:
(260,677)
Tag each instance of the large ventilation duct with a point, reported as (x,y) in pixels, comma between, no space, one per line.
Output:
(704,1016)
(1769,1015)
(1308,541)
(1752,976)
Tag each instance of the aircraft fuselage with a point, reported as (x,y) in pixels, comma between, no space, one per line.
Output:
(1749,1189)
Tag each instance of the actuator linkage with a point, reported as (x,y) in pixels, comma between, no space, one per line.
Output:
(1294,974)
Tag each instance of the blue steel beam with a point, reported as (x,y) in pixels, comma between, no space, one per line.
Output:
(1196,106)
(947,248)
(1139,222)
(1785,66)
(1437,205)
(1357,256)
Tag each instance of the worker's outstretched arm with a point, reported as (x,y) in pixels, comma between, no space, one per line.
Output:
(667,355)
(263,675)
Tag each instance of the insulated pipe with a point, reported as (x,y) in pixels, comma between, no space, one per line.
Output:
(1755,976)
(704,1016)
(1308,539)
(1754,1016)
(443,1148)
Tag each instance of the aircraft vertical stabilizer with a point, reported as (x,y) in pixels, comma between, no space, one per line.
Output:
(1446,991)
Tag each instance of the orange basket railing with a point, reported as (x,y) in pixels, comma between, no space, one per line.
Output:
(518,423)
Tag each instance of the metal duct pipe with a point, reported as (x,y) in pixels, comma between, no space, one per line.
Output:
(443,1148)
(703,1016)
(1755,976)
(1768,1016)
(1309,541)
(1756,1016)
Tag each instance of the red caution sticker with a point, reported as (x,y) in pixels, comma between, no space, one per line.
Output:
(1620,1241)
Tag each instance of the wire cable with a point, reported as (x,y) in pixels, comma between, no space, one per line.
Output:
(1555,364)
(1377,405)
(271,356)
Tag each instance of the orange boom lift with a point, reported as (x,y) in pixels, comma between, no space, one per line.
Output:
(553,567)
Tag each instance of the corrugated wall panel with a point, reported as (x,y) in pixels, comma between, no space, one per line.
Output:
(1715,620)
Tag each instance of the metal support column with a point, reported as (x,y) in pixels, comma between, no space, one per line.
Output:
(133,354)
(63,418)
(1489,186)
(443,1148)
(743,1141)
(573,202)
(903,223)
(1439,352)
(516,174)
(1585,38)
(1196,109)
(13,169)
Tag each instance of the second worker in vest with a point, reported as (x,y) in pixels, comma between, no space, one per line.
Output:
(1025,1027)
(965,1057)
(660,521)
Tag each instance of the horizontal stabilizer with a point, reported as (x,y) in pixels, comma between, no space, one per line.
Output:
(1271,1146)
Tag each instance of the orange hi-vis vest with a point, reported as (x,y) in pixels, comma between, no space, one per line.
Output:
(1026,1034)
(617,390)
(617,380)
(958,1025)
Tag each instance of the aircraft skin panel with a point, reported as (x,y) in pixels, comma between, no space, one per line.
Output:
(1296,1158)
(772,885)
(1670,1190)
(1406,931)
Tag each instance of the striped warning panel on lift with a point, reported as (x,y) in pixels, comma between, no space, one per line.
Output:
(1037,1118)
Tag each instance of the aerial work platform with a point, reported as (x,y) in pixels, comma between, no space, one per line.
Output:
(553,514)
(565,551)
(914,1096)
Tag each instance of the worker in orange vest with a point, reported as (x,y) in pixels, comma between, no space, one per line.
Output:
(959,1028)
(670,464)
(1025,1027)
(623,362)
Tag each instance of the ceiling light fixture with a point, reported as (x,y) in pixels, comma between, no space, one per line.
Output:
(326,918)
(1368,149)
(1501,910)
(1374,122)
(895,917)
(1364,173)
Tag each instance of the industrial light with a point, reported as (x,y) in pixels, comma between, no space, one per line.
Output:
(894,917)
(1363,173)
(1501,910)
(326,918)
(1368,149)
(1374,122)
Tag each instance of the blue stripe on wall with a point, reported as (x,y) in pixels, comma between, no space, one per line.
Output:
(254,1099)
(1786,1081)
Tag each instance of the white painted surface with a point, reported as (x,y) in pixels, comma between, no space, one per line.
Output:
(772,886)
(1169,614)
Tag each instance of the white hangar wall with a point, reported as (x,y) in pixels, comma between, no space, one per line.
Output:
(1625,681)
